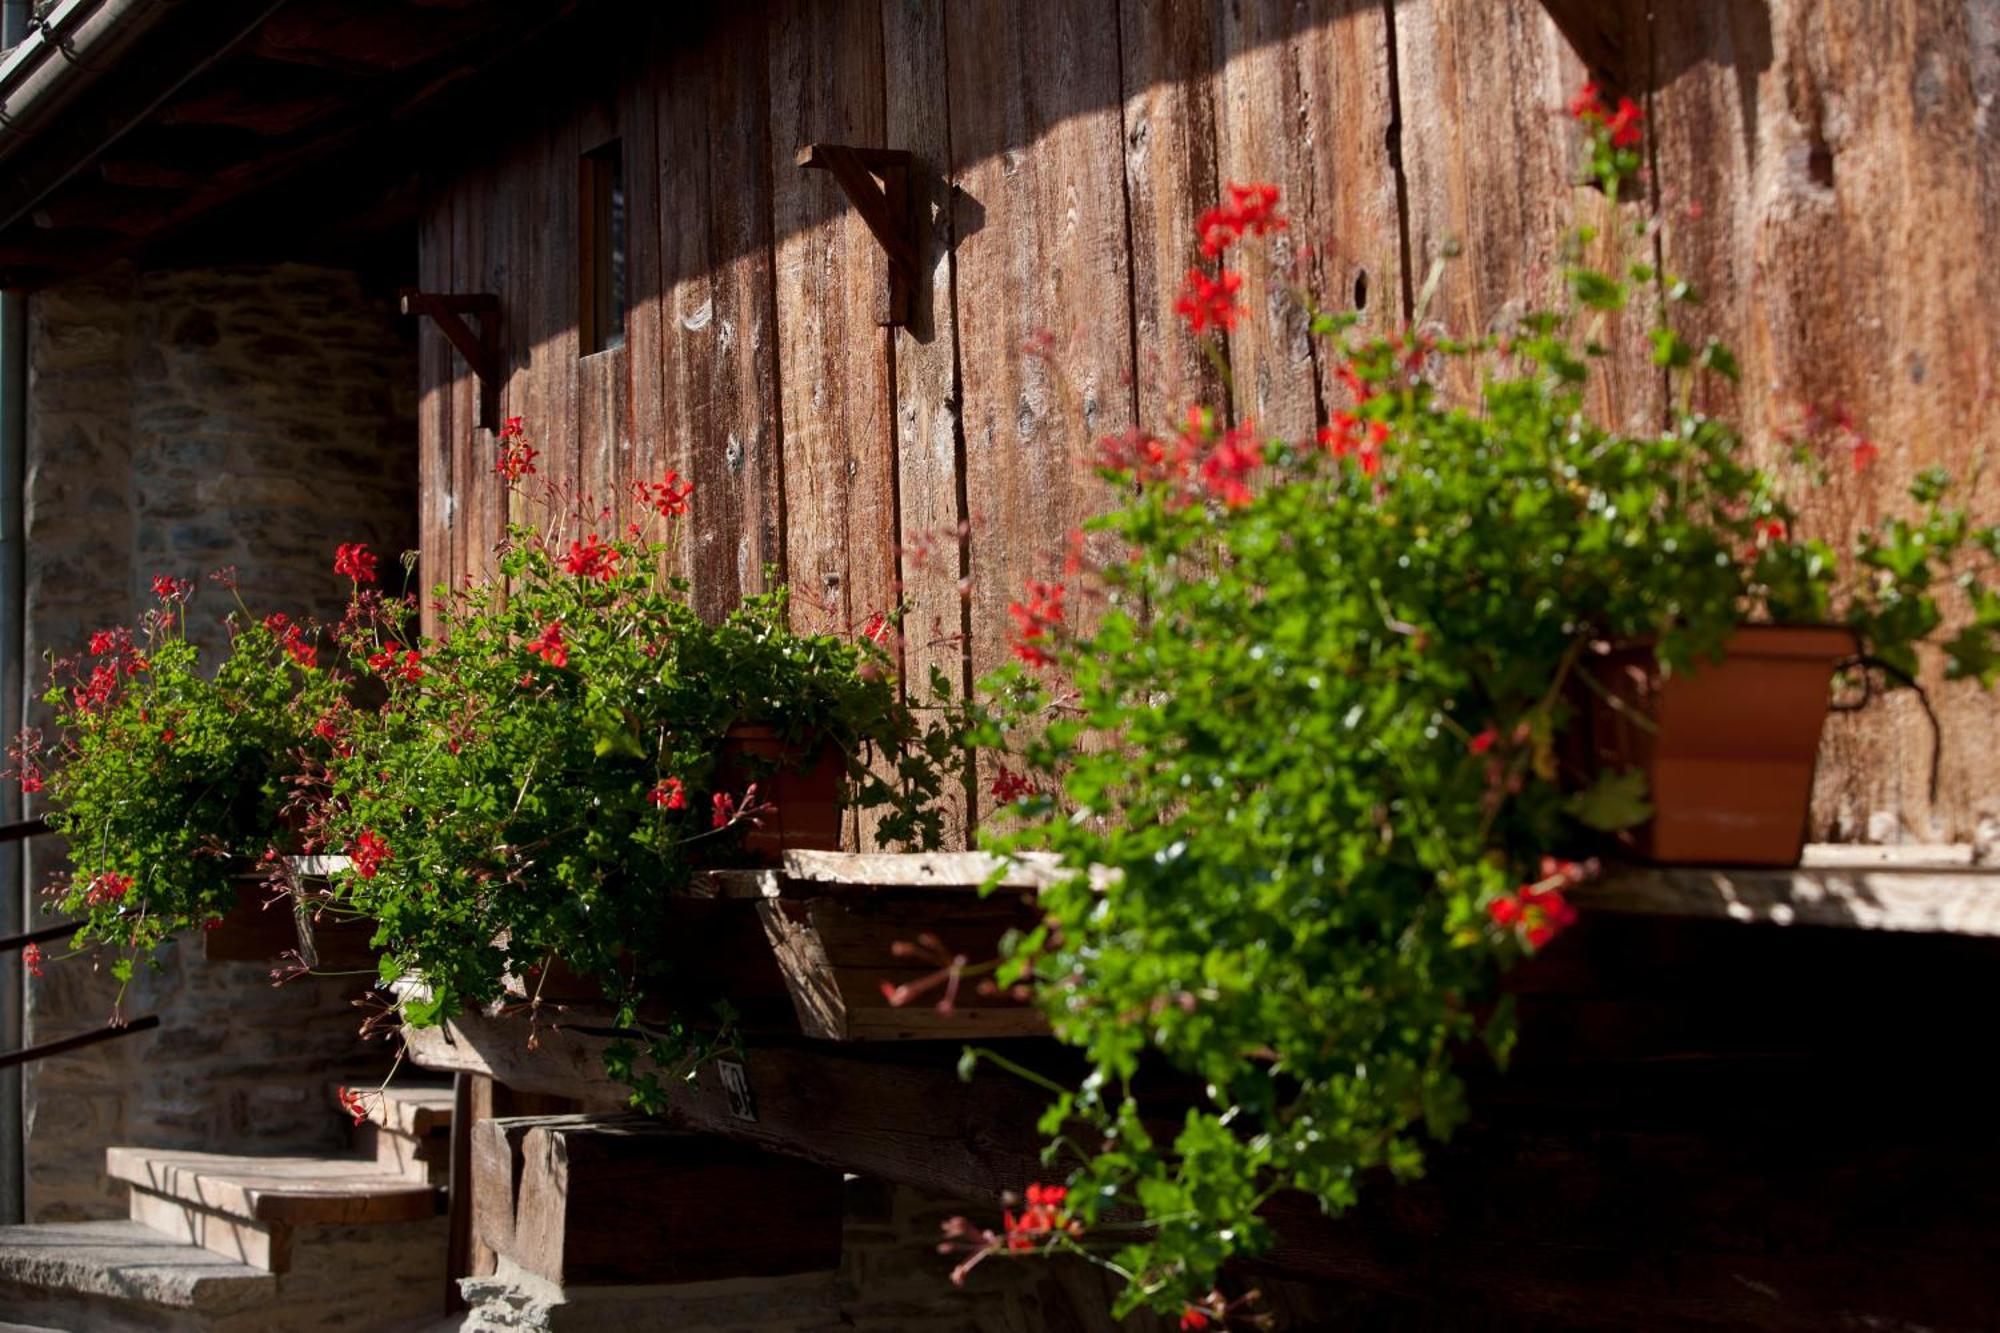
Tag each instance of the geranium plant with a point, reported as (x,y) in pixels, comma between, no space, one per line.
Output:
(168,777)
(543,777)
(1306,736)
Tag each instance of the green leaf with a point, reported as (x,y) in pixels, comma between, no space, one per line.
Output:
(1615,801)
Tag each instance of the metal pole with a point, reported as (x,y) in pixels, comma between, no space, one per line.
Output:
(14,20)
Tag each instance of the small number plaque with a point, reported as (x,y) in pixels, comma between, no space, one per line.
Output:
(736,1082)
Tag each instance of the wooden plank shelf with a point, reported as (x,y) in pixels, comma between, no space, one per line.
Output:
(1931,890)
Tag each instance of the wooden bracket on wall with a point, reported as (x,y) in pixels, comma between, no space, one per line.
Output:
(481,350)
(877,182)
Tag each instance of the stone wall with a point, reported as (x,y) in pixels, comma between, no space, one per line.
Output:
(180,421)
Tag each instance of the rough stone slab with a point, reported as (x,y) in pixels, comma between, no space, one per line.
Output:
(128,1261)
(276,1189)
(513,1300)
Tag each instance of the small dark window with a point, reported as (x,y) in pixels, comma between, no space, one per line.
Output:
(600,318)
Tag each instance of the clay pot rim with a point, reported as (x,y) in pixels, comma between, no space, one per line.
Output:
(1766,639)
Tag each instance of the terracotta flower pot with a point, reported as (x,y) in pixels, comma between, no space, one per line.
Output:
(802,789)
(1729,761)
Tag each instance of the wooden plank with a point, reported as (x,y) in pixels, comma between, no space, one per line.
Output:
(832,362)
(1166,63)
(650,453)
(838,955)
(555,263)
(1490,157)
(720,373)
(1044,334)
(605,1200)
(811,873)
(1828,171)
(434,415)
(1865,893)
(1304,101)
(600,377)
(929,440)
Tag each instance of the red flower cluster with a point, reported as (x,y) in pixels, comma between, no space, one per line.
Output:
(1483,742)
(669,794)
(667,498)
(1251,210)
(592,559)
(1539,910)
(31,780)
(108,887)
(1043,1218)
(292,639)
(409,667)
(1234,458)
(1588,107)
(517,456)
(368,852)
(355,1103)
(1207,302)
(31,958)
(106,642)
(725,810)
(1351,437)
(1009,786)
(1143,455)
(170,589)
(355,560)
(550,646)
(1042,613)
(95,692)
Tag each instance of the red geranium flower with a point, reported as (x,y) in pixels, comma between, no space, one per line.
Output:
(668,793)
(1036,619)
(355,560)
(31,958)
(591,559)
(1251,210)
(368,852)
(550,647)
(1206,301)
(725,810)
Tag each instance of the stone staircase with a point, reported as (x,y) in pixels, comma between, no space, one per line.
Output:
(217,1243)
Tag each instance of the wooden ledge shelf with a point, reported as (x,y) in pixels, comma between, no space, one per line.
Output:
(1931,890)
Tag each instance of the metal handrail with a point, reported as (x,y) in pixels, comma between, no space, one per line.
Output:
(26,828)
(35,828)
(8,1059)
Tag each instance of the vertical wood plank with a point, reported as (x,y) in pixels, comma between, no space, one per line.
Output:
(929,478)
(1040,224)
(838,456)
(600,390)
(466,527)
(721,374)
(649,454)
(1304,102)
(1830,174)
(434,433)
(1491,160)
(557,301)
(1167,58)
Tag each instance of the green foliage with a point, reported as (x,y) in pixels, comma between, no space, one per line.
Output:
(541,779)
(1311,743)
(166,779)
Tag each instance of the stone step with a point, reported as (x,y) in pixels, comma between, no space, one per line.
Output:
(44,1267)
(123,1277)
(246,1208)
(407,1128)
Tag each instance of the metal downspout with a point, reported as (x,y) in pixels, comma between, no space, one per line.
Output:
(14,18)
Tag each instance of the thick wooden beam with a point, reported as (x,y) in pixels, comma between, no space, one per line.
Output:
(876,182)
(481,350)
(613,1200)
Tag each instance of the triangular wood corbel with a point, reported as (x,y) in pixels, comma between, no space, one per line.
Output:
(877,182)
(481,350)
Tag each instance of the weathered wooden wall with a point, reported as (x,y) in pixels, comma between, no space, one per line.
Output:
(1827,173)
